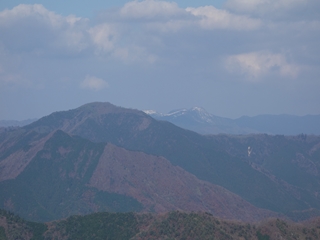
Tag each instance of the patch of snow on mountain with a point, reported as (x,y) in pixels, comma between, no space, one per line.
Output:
(176,113)
(203,114)
(198,114)
(150,112)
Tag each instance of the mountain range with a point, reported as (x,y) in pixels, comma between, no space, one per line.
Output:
(15,123)
(199,120)
(100,157)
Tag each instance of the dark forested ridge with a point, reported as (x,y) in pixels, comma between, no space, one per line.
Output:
(173,225)
(145,164)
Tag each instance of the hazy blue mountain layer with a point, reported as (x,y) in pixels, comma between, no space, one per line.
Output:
(199,120)
(153,165)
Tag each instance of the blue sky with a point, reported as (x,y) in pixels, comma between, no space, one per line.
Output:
(231,57)
(88,9)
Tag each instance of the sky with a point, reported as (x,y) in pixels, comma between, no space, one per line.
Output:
(231,57)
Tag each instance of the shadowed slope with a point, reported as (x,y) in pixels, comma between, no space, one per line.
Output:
(202,156)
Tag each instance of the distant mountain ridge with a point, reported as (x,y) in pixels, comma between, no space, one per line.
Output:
(100,157)
(51,166)
(199,120)
(15,123)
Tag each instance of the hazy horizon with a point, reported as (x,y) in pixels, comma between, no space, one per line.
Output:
(148,111)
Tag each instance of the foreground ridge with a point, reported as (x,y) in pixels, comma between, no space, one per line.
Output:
(172,225)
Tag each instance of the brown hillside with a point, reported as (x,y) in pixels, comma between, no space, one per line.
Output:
(162,187)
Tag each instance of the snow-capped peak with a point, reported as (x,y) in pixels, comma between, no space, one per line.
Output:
(196,113)
(202,114)
(176,113)
(199,109)
(150,112)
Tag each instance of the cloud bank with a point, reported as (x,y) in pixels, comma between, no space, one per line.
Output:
(256,64)
(149,49)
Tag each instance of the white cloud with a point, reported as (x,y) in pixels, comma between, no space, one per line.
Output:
(257,64)
(263,5)
(104,36)
(212,18)
(93,83)
(276,9)
(39,14)
(146,32)
(108,40)
(162,48)
(23,11)
(167,16)
(174,25)
(34,28)
(150,9)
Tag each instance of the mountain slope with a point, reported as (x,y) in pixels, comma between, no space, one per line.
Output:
(207,157)
(162,187)
(172,225)
(94,121)
(53,182)
(71,175)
